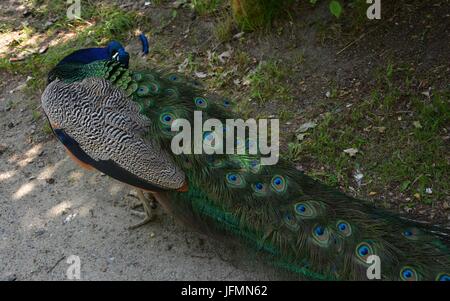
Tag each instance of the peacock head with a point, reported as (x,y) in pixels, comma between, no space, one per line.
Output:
(113,51)
(117,52)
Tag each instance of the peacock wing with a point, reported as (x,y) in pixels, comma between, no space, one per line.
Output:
(102,128)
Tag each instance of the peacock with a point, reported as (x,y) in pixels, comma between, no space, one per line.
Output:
(120,122)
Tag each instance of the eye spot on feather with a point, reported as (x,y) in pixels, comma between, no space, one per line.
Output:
(142,91)
(443,277)
(411,234)
(301,208)
(259,188)
(235,180)
(305,210)
(174,78)
(344,228)
(279,184)
(407,233)
(364,250)
(226,103)
(167,119)
(201,102)
(290,221)
(319,231)
(321,236)
(408,274)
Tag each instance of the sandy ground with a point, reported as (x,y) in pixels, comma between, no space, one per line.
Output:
(50,209)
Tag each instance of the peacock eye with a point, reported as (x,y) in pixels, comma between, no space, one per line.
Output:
(290,221)
(321,236)
(407,233)
(301,208)
(279,184)
(259,188)
(173,78)
(200,102)
(408,274)
(319,230)
(305,210)
(443,277)
(344,228)
(235,180)
(411,233)
(232,178)
(167,119)
(363,251)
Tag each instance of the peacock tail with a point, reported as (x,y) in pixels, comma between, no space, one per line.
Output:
(299,224)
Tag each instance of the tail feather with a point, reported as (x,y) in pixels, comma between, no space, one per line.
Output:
(302,225)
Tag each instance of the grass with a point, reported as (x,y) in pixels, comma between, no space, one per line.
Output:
(400,141)
(268,82)
(104,23)
(205,7)
(223,31)
(256,14)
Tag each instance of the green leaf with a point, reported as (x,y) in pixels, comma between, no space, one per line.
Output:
(405,185)
(336,8)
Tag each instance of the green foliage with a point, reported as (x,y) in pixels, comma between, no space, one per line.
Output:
(400,152)
(267,82)
(205,7)
(335,8)
(256,14)
(104,23)
(223,31)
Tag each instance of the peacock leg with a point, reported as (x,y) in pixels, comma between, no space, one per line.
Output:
(148,204)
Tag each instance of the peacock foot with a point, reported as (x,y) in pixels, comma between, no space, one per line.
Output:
(149,205)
